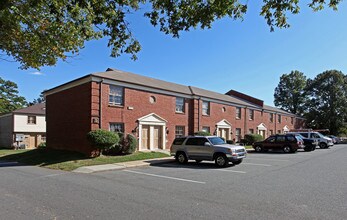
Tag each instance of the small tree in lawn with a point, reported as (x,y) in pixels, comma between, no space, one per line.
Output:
(102,139)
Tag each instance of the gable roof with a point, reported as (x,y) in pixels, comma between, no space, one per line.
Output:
(127,77)
(274,109)
(38,109)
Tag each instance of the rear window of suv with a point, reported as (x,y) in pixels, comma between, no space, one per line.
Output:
(178,141)
(291,138)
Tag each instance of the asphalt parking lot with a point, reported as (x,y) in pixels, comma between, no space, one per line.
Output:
(304,185)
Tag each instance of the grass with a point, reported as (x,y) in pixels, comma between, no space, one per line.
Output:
(67,160)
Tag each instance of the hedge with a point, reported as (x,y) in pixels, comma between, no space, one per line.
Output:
(102,139)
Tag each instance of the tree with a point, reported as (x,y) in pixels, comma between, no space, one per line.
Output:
(328,98)
(9,98)
(40,99)
(290,93)
(39,32)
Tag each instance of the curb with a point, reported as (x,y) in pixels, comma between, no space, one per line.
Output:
(119,166)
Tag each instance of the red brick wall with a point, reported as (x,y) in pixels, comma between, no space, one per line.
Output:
(141,106)
(68,118)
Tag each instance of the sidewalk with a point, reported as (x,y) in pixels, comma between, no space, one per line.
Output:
(118,166)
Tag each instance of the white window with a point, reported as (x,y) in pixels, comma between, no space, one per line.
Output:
(205,108)
(251,131)
(238,113)
(32,120)
(116,95)
(206,129)
(271,117)
(179,132)
(251,114)
(179,104)
(279,117)
(238,134)
(117,127)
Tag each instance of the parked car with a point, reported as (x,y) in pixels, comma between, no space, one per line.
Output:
(336,140)
(289,143)
(323,141)
(210,148)
(310,144)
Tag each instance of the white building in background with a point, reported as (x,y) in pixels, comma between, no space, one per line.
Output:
(25,128)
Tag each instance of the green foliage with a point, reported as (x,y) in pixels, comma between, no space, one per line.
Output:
(42,145)
(202,133)
(129,144)
(230,142)
(9,98)
(328,98)
(43,31)
(290,93)
(102,139)
(251,138)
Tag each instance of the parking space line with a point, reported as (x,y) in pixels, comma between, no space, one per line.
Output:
(267,159)
(232,171)
(165,177)
(257,164)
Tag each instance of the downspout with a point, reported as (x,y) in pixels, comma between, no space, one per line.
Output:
(275,121)
(199,113)
(245,123)
(100,103)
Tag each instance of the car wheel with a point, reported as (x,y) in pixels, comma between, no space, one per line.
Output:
(323,145)
(308,148)
(237,162)
(258,148)
(313,147)
(287,149)
(198,161)
(181,158)
(221,160)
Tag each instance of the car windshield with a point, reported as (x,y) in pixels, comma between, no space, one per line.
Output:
(216,140)
(320,135)
(300,136)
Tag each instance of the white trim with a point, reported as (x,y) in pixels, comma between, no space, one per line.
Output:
(224,124)
(285,129)
(261,127)
(155,120)
(68,85)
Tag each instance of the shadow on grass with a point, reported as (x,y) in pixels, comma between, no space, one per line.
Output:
(40,157)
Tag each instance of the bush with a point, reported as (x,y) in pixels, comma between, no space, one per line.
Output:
(42,145)
(102,139)
(202,133)
(230,142)
(251,138)
(129,144)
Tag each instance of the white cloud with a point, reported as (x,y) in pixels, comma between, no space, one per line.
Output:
(37,73)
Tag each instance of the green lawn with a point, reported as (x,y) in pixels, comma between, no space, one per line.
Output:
(66,160)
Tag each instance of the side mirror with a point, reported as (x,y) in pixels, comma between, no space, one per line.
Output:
(207,144)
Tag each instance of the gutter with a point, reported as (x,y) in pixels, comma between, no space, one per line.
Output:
(100,103)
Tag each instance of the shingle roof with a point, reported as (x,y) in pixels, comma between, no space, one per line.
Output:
(274,109)
(219,96)
(38,109)
(142,80)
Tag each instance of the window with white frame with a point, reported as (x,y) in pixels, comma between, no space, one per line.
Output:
(251,114)
(279,118)
(179,104)
(238,112)
(251,131)
(179,131)
(238,134)
(116,95)
(271,117)
(206,129)
(205,108)
(292,120)
(32,120)
(117,127)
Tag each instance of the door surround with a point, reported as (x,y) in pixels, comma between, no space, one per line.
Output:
(224,124)
(152,120)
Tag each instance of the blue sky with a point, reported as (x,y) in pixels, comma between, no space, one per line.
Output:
(244,56)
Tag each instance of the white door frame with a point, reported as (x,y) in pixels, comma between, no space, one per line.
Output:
(152,120)
(224,124)
(262,127)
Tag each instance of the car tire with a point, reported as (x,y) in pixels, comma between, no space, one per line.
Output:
(313,147)
(323,145)
(221,160)
(198,161)
(287,149)
(181,158)
(258,148)
(308,148)
(237,162)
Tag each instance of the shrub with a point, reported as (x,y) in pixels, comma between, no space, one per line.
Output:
(129,144)
(251,138)
(202,133)
(230,142)
(102,139)
(42,145)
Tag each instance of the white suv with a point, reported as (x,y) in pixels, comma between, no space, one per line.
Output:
(323,141)
(211,148)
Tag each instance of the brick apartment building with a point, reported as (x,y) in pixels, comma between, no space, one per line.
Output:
(154,111)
